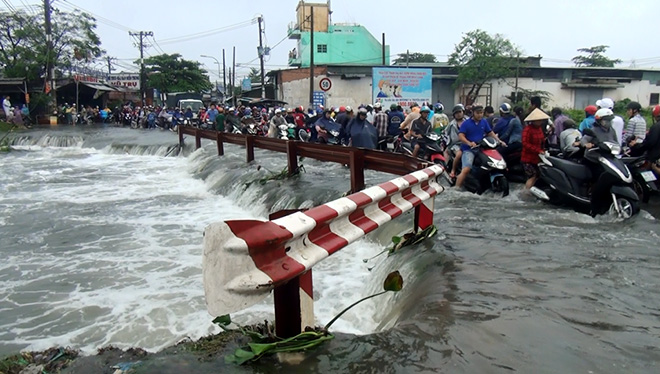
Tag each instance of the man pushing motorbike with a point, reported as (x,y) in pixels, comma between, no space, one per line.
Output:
(472,131)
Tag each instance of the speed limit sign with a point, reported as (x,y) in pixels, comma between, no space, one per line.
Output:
(325,84)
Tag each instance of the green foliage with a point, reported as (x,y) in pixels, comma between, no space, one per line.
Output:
(54,360)
(255,75)
(23,48)
(172,73)
(480,57)
(415,57)
(524,95)
(594,57)
(264,340)
(412,238)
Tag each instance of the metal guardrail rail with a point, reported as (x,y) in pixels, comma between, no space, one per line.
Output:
(358,159)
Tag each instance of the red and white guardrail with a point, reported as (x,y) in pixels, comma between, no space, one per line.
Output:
(244,260)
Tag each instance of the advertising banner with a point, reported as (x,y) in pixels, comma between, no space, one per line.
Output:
(401,86)
(131,80)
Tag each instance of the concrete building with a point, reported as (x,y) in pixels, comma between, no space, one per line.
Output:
(334,44)
(571,87)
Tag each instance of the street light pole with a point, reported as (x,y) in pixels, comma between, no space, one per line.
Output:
(218,63)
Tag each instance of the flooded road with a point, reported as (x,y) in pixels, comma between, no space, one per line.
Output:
(508,285)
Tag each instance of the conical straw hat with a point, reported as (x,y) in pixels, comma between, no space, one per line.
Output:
(536,115)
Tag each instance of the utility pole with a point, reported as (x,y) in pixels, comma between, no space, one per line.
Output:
(224,76)
(143,85)
(233,78)
(50,69)
(383,47)
(109,59)
(311,57)
(407,57)
(261,59)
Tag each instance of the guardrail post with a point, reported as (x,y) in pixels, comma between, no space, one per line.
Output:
(292,157)
(249,147)
(198,139)
(180,128)
(357,170)
(218,139)
(294,300)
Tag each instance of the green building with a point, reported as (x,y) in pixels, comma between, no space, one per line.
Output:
(334,44)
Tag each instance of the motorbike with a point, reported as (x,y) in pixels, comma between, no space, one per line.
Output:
(565,181)
(428,148)
(645,182)
(488,170)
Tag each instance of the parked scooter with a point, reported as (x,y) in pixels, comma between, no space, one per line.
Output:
(569,182)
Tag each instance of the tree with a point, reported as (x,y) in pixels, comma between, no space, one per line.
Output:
(480,57)
(255,75)
(594,57)
(23,50)
(171,73)
(414,57)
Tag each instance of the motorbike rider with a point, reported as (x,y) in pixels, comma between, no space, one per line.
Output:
(509,129)
(274,123)
(360,132)
(394,119)
(324,125)
(405,125)
(617,122)
(636,123)
(588,121)
(247,120)
(454,142)
(651,144)
(439,119)
(419,128)
(472,131)
(569,139)
(601,132)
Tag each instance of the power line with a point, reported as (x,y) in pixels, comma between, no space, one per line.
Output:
(204,34)
(100,18)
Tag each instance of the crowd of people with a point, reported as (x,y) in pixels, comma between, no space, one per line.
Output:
(14,114)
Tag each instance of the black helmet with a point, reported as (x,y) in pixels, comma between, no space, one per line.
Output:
(634,106)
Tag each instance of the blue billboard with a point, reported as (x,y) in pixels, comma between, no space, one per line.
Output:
(402,86)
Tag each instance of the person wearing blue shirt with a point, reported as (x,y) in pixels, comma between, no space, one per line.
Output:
(394,119)
(588,122)
(509,129)
(472,131)
(212,113)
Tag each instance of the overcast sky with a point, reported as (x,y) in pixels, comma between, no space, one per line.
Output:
(553,29)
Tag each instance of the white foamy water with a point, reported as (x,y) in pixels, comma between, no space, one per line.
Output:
(104,247)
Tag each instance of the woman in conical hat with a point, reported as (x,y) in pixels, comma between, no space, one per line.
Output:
(533,141)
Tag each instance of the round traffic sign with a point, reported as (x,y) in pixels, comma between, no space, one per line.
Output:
(325,84)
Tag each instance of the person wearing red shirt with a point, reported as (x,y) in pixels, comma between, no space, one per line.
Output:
(532,145)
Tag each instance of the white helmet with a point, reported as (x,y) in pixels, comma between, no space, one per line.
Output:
(278,111)
(377,106)
(348,109)
(604,117)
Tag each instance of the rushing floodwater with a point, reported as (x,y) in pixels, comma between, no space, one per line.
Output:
(100,231)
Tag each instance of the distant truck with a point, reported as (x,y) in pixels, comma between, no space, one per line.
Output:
(193,104)
(182,100)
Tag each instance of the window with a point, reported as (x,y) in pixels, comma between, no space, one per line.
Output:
(322,48)
(655,99)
